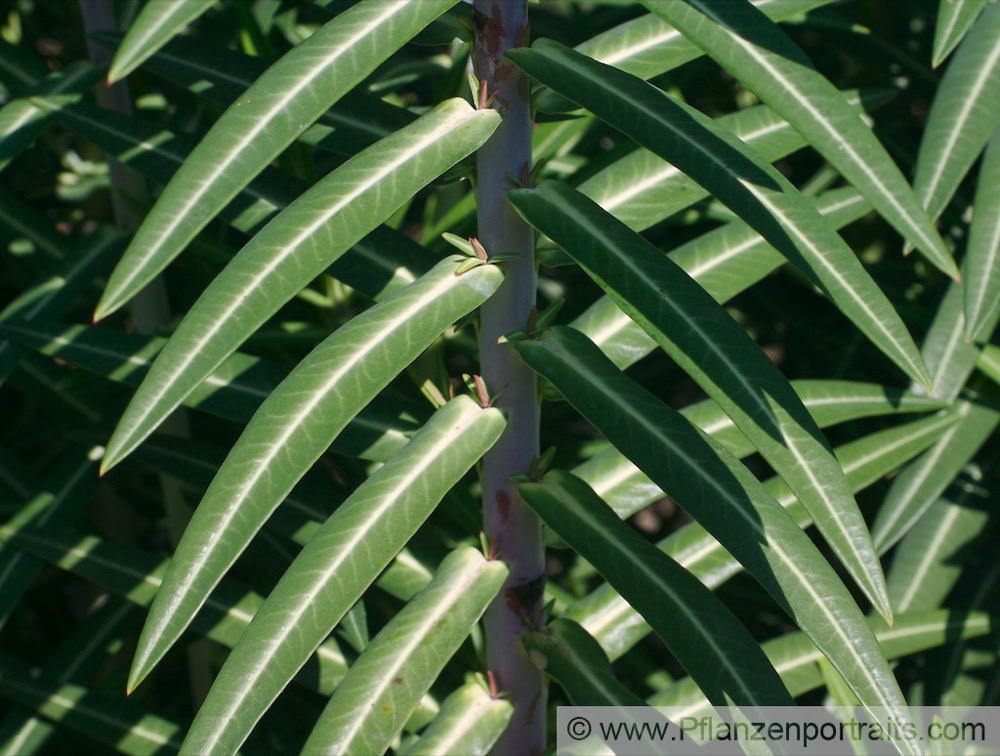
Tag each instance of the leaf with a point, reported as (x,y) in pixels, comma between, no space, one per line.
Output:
(292,428)
(795,656)
(981,264)
(724,262)
(294,248)
(371,705)
(929,560)
(648,46)
(721,494)
(156,24)
(470,722)
(700,631)
(756,52)
(954,19)
(949,356)
(717,353)
(573,659)
(618,627)
(751,187)
(925,479)
(266,119)
(962,117)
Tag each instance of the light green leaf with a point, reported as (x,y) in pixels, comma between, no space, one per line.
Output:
(751,187)
(949,356)
(756,52)
(963,115)
(157,23)
(371,705)
(470,722)
(925,479)
(989,362)
(571,657)
(700,631)
(717,353)
(292,428)
(618,627)
(292,250)
(796,657)
(233,391)
(954,19)
(929,559)
(266,119)
(721,494)
(981,264)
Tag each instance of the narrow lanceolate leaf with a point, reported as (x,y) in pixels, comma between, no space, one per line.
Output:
(714,350)
(345,556)
(763,58)
(293,249)
(293,427)
(739,178)
(724,262)
(648,46)
(271,114)
(929,560)
(954,19)
(369,708)
(618,627)
(795,656)
(925,479)
(721,494)
(981,264)
(571,657)
(949,356)
(156,24)
(470,722)
(707,639)
(963,115)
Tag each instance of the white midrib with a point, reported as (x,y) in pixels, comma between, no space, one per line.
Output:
(957,130)
(979,284)
(445,603)
(275,640)
(194,350)
(195,193)
(940,535)
(141,42)
(803,99)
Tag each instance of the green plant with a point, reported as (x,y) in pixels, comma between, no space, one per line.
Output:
(703,197)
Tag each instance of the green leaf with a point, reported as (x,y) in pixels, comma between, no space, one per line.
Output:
(756,52)
(157,23)
(233,391)
(292,250)
(266,119)
(981,264)
(925,479)
(724,262)
(371,705)
(718,354)
(293,427)
(648,46)
(796,657)
(721,494)
(949,356)
(954,19)
(751,187)
(618,627)
(700,631)
(571,657)
(929,559)
(470,722)
(962,117)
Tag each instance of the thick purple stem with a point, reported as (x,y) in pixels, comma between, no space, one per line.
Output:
(511,526)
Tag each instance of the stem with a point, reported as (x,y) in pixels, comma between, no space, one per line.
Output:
(512,528)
